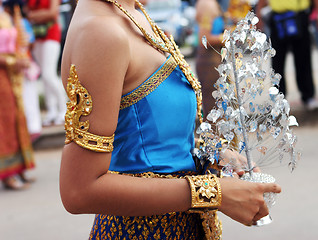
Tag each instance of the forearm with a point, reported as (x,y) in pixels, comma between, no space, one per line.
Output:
(133,196)
(43,15)
(86,188)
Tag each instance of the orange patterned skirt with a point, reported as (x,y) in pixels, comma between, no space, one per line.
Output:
(16,152)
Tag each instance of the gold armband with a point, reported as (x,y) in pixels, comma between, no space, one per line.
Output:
(205,192)
(81,104)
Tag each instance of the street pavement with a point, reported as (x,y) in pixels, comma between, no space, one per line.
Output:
(38,214)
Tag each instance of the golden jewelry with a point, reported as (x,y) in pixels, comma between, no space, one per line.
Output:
(81,104)
(161,42)
(10,61)
(205,192)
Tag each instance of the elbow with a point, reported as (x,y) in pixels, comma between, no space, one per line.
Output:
(73,202)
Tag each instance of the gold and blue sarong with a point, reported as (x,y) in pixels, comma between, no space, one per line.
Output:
(179,225)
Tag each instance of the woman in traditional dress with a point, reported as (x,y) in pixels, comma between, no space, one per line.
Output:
(211,25)
(16,153)
(130,131)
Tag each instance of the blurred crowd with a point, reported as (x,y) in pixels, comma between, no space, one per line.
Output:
(30,48)
(32,35)
(188,21)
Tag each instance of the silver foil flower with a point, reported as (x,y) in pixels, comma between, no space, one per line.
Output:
(250,112)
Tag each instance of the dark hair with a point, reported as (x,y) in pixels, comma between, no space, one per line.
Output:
(11,3)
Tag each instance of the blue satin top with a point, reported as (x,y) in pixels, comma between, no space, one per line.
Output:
(155,131)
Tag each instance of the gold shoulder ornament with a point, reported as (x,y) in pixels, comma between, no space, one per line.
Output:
(81,104)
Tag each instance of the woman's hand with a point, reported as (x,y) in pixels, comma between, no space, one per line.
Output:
(243,201)
(236,161)
(20,65)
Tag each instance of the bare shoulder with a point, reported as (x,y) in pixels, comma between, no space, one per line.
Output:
(95,44)
(99,29)
(97,37)
(99,49)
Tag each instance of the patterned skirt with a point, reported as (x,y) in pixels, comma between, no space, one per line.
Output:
(179,225)
(16,152)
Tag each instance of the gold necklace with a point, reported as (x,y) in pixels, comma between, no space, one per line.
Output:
(163,43)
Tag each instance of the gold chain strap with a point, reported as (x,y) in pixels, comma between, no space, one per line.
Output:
(163,43)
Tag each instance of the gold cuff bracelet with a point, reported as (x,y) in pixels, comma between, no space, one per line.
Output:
(205,192)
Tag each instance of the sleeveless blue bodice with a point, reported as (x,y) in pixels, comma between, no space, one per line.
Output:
(155,131)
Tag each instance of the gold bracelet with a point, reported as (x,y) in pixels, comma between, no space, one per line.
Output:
(10,61)
(205,192)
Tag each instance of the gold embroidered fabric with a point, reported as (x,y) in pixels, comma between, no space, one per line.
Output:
(170,226)
(81,104)
(211,224)
(150,85)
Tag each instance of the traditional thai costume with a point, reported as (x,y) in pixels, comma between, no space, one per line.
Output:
(154,138)
(16,152)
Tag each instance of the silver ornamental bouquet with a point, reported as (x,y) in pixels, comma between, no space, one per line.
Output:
(250,113)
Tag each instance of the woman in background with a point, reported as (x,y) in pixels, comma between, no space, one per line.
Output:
(16,154)
(31,74)
(43,14)
(211,25)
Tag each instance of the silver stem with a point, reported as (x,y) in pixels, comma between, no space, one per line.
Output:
(240,103)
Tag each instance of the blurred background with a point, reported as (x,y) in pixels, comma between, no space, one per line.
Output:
(36,212)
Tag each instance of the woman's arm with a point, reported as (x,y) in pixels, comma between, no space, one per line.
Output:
(15,64)
(45,15)
(206,12)
(102,57)
(101,54)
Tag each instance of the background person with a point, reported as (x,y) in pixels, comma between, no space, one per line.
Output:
(31,74)
(16,154)
(210,24)
(289,23)
(43,14)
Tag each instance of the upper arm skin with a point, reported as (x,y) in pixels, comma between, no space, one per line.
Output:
(99,53)
(101,57)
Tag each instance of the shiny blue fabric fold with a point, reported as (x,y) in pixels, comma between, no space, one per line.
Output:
(155,131)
